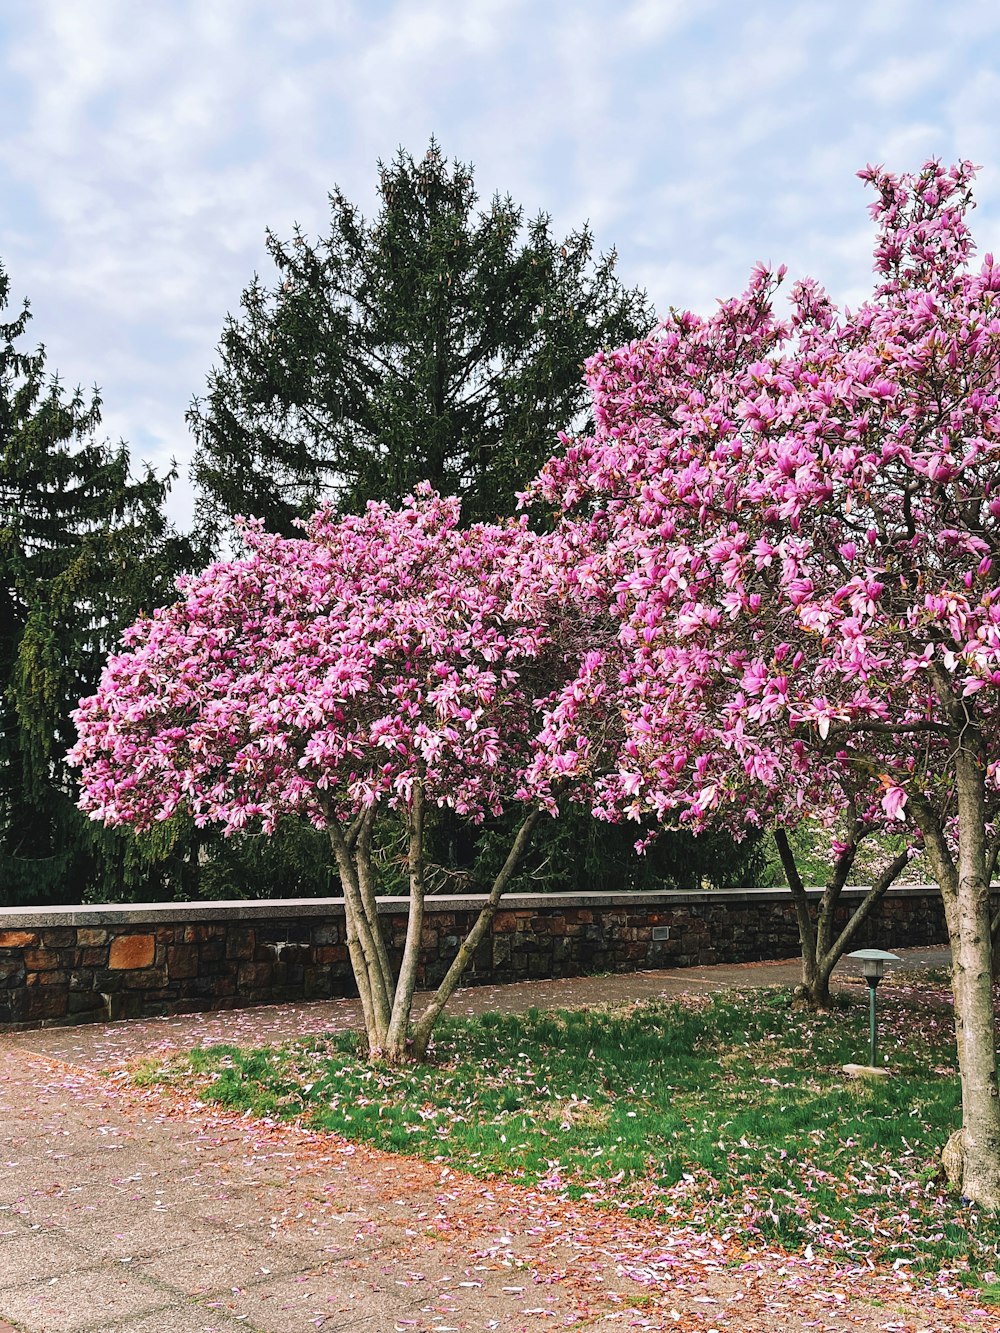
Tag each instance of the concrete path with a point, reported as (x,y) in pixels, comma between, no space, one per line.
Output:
(131,1212)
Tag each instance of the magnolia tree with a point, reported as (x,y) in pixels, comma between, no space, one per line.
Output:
(797,526)
(384,663)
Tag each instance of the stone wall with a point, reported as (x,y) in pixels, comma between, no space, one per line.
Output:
(86,963)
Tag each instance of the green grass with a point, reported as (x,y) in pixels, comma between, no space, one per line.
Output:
(733,1113)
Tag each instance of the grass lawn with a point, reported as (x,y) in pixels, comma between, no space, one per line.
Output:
(731,1112)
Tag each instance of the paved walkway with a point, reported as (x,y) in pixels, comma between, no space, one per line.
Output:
(131,1212)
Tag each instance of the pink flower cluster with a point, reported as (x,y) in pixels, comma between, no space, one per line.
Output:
(318,676)
(795,523)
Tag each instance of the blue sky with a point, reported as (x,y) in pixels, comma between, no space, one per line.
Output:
(146,148)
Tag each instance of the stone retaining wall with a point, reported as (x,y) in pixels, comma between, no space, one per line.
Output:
(84,963)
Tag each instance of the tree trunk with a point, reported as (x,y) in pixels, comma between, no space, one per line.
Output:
(807,930)
(825,955)
(364,953)
(972,981)
(369,897)
(965,890)
(993,853)
(386,1002)
(821,951)
(831,953)
(399,1023)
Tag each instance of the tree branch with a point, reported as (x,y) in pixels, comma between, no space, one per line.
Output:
(425,1026)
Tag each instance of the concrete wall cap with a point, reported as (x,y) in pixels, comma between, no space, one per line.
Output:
(107,914)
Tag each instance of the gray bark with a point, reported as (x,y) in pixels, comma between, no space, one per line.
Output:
(821,951)
(425,1024)
(965,890)
(362,947)
(402,1007)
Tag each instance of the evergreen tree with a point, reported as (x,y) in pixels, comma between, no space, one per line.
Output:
(437,342)
(83,549)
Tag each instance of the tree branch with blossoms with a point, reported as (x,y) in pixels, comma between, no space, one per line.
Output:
(377,666)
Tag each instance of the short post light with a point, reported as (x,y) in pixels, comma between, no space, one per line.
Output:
(873,963)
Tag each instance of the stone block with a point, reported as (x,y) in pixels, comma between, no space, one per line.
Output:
(254,976)
(122,1004)
(94,957)
(198,934)
(182,960)
(39,960)
(240,943)
(330,954)
(213,951)
(43,1002)
(62,937)
(18,939)
(130,952)
(52,978)
(482,961)
(144,978)
(88,937)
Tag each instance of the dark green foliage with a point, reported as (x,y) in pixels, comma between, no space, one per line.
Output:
(811,846)
(84,548)
(438,342)
(180,863)
(292,862)
(579,854)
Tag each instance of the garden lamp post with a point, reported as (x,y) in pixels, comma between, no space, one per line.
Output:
(873,963)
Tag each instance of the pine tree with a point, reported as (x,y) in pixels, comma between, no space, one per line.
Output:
(83,549)
(437,342)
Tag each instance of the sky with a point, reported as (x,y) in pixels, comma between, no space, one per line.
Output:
(147,148)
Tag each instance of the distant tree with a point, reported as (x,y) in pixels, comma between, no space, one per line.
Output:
(438,342)
(83,548)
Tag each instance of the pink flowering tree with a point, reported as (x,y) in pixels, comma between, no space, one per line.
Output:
(796,521)
(378,665)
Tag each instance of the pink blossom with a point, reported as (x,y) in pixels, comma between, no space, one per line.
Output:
(315,676)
